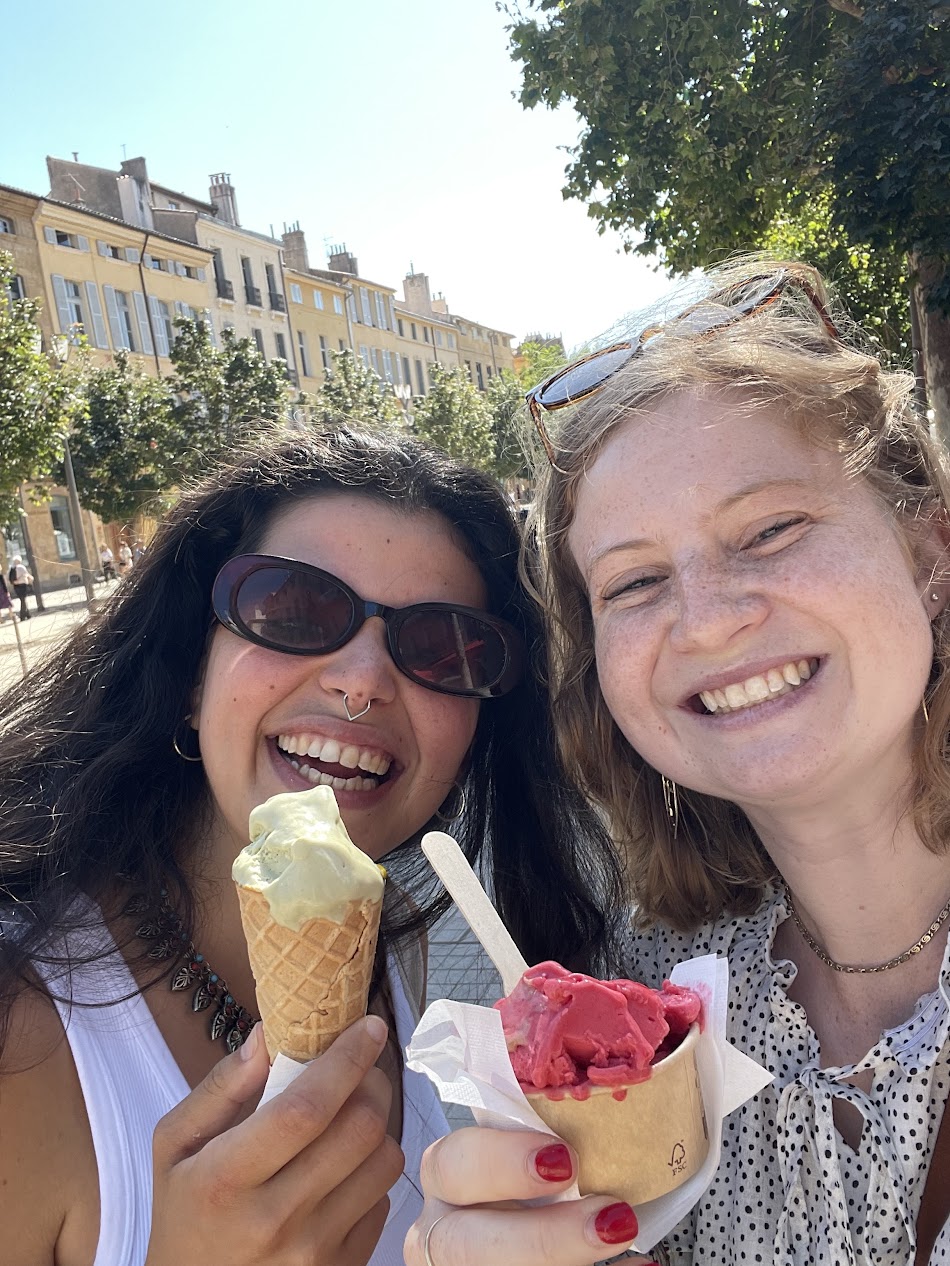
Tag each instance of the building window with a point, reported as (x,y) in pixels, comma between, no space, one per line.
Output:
(62,528)
(325,353)
(406,371)
(337,303)
(6,226)
(388,366)
(126,320)
(451,338)
(342,346)
(425,333)
(380,311)
(160,265)
(304,354)
(259,340)
(77,321)
(420,378)
(364,354)
(412,327)
(281,344)
(399,328)
(481,380)
(16,290)
(351,308)
(167,322)
(295,293)
(318,300)
(377,362)
(438,338)
(364,305)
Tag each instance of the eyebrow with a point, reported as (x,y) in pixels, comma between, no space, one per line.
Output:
(728,503)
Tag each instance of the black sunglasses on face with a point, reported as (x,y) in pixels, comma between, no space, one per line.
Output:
(724,307)
(297,609)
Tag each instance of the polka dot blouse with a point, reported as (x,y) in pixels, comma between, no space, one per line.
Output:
(788,1189)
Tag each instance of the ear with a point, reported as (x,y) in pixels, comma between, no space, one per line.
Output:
(930,539)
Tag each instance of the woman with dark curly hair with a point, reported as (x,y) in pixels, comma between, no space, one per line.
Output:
(743,533)
(339,609)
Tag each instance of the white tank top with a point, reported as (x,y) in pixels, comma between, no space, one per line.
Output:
(129,1080)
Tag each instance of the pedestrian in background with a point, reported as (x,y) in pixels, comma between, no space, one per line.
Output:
(21,579)
(107,562)
(125,559)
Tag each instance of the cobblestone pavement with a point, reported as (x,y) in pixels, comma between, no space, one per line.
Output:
(459,969)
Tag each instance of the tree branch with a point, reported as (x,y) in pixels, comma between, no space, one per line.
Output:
(848,6)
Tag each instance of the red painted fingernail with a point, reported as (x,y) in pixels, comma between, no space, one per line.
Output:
(553,1163)
(616,1224)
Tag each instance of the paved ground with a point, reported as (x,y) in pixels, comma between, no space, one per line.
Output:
(65,608)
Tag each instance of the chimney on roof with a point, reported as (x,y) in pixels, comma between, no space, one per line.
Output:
(415,287)
(341,261)
(222,196)
(295,248)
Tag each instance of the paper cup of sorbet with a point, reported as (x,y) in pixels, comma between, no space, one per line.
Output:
(635,1142)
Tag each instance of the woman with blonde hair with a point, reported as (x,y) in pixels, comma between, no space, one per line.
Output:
(742,540)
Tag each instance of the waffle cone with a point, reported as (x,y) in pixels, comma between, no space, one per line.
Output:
(313,983)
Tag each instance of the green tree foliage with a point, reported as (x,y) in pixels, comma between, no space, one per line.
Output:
(455,416)
(540,361)
(706,126)
(505,399)
(873,285)
(224,395)
(354,393)
(127,447)
(36,398)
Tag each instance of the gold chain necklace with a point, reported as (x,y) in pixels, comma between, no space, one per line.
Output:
(917,946)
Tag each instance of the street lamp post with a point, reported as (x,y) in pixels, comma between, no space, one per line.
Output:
(61,352)
(75,513)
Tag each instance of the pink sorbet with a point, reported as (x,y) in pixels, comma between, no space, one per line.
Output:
(565,1029)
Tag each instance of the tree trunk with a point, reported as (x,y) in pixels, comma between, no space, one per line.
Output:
(934,344)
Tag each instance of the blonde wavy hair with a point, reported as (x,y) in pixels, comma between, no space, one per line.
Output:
(841,398)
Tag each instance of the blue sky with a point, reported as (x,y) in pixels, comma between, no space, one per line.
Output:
(388,126)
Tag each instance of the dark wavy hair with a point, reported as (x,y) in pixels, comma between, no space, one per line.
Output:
(94,798)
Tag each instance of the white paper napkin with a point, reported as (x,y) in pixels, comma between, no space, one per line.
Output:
(461,1049)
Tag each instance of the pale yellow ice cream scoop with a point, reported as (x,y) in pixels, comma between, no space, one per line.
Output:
(302,860)
(310,906)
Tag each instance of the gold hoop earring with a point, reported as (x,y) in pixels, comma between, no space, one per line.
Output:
(453,817)
(672,801)
(180,747)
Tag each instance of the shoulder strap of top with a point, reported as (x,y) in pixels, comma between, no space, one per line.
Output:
(935,1205)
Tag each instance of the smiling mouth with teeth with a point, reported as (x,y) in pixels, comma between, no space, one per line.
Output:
(328,763)
(745,694)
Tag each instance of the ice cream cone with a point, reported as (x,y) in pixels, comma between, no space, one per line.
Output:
(636,1142)
(312,983)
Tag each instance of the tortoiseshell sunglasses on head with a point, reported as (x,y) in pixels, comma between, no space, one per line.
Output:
(724,307)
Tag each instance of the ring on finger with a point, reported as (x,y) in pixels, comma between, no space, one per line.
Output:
(425,1243)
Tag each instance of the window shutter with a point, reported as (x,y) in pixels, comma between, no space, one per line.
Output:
(132,255)
(102,248)
(201,274)
(147,260)
(100,337)
(62,307)
(161,337)
(82,242)
(392,314)
(119,337)
(144,332)
(180,269)
(50,235)
(180,309)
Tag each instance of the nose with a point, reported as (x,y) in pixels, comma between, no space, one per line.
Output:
(715,607)
(362,669)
